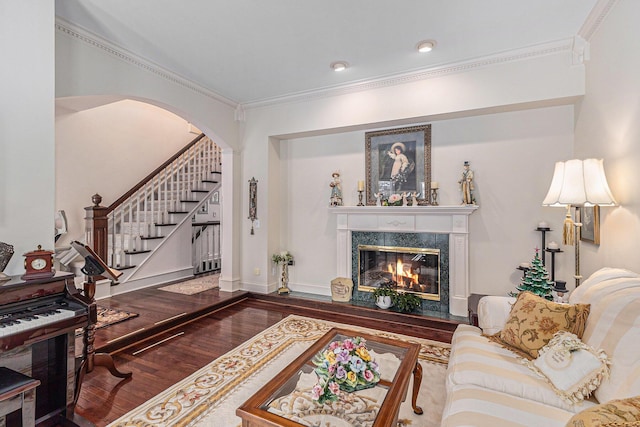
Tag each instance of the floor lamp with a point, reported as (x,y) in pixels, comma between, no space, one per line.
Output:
(577,183)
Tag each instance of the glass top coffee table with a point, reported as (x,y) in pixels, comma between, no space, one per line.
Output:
(286,400)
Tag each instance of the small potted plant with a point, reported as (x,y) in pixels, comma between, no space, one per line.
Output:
(384,296)
(406,302)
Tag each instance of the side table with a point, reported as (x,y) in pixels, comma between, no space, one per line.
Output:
(473,308)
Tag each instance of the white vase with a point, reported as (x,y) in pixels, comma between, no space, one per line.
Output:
(384,301)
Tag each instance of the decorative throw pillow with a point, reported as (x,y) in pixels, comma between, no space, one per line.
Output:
(573,369)
(534,320)
(615,413)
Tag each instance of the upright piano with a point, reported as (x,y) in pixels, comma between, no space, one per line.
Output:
(38,320)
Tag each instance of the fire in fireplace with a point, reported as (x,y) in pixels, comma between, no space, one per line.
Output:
(415,270)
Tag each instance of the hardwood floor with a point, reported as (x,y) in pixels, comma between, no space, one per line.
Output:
(189,347)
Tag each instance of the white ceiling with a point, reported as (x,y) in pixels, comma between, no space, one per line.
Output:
(256,50)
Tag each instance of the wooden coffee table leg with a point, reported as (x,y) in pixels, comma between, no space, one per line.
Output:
(417,380)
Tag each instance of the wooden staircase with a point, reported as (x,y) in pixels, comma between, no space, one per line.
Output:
(134,229)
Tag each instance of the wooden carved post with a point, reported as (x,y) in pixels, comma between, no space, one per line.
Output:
(96,227)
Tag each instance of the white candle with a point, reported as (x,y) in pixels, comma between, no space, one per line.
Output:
(435,184)
(360,185)
(543,224)
(525,265)
(553,245)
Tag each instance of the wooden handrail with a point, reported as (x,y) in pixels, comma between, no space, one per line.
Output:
(148,178)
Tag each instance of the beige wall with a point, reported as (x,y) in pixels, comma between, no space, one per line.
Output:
(607,127)
(26,127)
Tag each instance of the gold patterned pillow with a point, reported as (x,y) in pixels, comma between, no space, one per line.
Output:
(615,413)
(533,321)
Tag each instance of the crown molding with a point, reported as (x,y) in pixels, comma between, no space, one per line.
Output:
(599,12)
(109,48)
(555,47)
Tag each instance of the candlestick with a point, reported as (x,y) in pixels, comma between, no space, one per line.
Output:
(360,198)
(360,185)
(434,196)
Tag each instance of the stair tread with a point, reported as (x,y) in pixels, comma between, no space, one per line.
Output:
(189,201)
(199,191)
(136,252)
(164,224)
(210,181)
(178,212)
(151,237)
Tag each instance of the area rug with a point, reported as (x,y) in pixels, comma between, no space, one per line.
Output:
(210,396)
(110,316)
(193,286)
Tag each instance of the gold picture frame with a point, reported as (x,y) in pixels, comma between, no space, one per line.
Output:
(590,229)
(385,148)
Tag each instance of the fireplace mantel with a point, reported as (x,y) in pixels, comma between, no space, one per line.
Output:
(451,220)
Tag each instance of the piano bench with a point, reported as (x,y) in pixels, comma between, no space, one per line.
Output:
(18,391)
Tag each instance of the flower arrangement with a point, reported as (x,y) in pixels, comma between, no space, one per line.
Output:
(282,257)
(393,200)
(344,365)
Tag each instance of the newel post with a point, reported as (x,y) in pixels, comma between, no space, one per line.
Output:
(96,227)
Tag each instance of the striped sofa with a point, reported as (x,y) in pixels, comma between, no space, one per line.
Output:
(487,385)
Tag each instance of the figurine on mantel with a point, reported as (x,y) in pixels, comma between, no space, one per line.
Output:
(336,190)
(378,197)
(414,198)
(466,185)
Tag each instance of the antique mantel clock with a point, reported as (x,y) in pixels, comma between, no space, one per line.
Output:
(38,264)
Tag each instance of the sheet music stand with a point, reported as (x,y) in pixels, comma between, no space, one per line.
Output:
(94,267)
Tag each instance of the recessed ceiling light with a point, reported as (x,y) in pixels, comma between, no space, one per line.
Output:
(339,66)
(426,46)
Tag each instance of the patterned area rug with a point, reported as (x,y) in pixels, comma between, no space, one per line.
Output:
(110,316)
(210,396)
(193,286)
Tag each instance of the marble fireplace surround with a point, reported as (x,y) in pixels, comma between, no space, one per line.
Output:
(450,220)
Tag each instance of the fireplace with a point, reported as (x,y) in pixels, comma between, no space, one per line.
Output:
(445,228)
(414,270)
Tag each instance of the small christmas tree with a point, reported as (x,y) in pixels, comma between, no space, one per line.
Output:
(536,280)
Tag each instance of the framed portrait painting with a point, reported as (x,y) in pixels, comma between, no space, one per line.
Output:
(398,161)
(590,219)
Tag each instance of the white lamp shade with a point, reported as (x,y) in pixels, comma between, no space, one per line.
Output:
(579,183)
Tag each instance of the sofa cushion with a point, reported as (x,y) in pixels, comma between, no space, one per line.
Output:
(614,326)
(616,413)
(572,368)
(534,320)
(475,360)
(473,406)
(493,312)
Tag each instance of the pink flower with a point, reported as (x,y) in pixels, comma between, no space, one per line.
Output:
(368,375)
(349,345)
(394,198)
(316,391)
(334,387)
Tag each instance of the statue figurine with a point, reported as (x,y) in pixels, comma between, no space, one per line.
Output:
(466,185)
(414,198)
(404,199)
(336,190)
(378,199)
